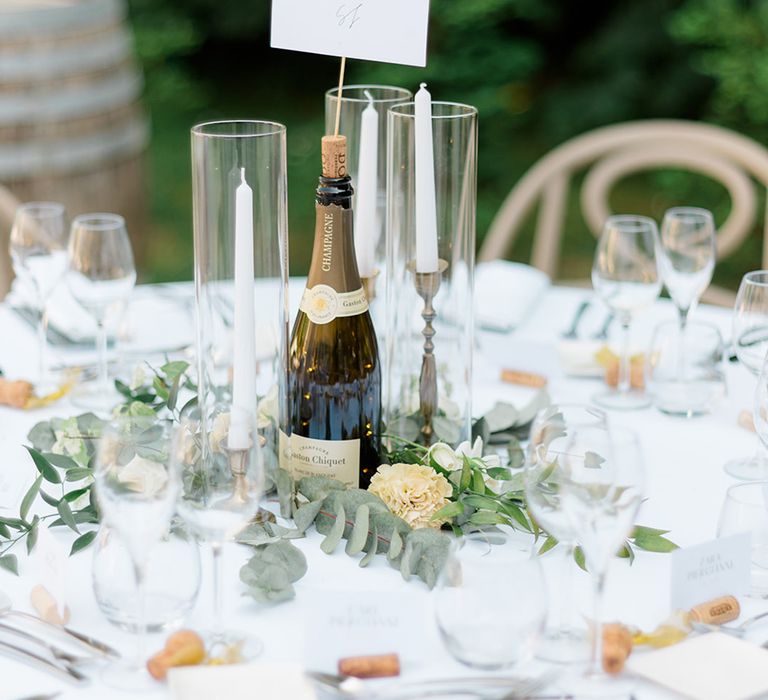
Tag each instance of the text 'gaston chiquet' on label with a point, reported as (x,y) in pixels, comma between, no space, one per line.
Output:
(336,459)
(322,303)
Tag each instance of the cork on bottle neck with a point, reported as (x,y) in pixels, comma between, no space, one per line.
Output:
(334,153)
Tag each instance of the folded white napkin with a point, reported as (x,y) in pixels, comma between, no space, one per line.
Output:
(710,666)
(506,293)
(240,682)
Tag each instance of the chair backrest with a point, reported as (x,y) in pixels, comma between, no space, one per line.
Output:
(615,151)
(8,205)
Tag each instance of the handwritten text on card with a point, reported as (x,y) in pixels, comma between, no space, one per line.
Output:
(391,31)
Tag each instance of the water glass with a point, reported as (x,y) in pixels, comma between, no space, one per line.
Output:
(171,584)
(745,509)
(551,429)
(687,258)
(625,274)
(100,275)
(685,374)
(750,341)
(38,248)
(484,623)
(136,486)
(223,482)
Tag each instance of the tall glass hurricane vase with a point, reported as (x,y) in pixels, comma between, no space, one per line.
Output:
(241,246)
(448,312)
(363,120)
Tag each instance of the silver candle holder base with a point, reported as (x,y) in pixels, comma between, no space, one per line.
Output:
(369,286)
(427,286)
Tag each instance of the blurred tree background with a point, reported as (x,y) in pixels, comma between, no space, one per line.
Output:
(539,71)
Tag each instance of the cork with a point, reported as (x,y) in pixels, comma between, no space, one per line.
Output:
(334,153)
(512,376)
(370,666)
(717,611)
(617,646)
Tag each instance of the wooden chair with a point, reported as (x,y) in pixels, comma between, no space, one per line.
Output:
(8,204)
(612,152)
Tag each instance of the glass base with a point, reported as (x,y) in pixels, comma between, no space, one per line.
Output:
(96,397)
(130,678)
(563,646)
(232,646)
(623,401)
(753,468)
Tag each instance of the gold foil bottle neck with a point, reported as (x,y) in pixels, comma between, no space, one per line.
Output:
(334,154)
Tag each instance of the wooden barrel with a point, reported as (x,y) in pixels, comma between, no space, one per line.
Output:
(72,127)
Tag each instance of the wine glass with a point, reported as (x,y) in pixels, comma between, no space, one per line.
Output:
(481,626)
(100,276)
(137,487)
(750,341)
(600,476)
(625,274)
(38,248)
(550,431)
(222,484)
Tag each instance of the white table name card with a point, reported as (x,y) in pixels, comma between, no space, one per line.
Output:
(391,31)
(706,571)
(342,624)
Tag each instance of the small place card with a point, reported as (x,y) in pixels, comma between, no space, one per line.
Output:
(706,571)
(341,624)
(391,31)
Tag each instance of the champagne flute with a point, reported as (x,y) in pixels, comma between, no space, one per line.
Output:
(687,261)
(137,486)
(601,478)
(625,274)
(100,276)
(550,431)
(38,248)
(750,341)
(222,484)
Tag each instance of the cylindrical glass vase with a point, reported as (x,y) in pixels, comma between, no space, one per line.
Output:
(454,135)
(367,166)
(241,246)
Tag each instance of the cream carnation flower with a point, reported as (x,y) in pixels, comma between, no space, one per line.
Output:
(412,491)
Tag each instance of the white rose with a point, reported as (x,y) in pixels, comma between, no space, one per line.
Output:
(444,456)
(219,431)
(143,476)
(476,452)
(267,409)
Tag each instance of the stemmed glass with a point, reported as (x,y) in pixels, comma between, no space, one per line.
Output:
(550,431)
(600,477)
(750,341)
(625,274)
(38,248)
(222,484)
(100,276)
(137,488)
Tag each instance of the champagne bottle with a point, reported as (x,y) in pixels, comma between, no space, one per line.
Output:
(335,375)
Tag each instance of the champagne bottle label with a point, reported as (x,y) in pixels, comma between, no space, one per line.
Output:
(322,303)
(335,459)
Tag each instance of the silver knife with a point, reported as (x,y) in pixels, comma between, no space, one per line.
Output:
(66,672)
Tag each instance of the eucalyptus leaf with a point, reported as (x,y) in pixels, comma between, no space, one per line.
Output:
(90,424)
(305,515)
(4,531)
(32,535)
(515,453)
(42,436)
(549,543)
(10,563)
(82,542)
(284,482)
(332,539)
(29,497)
(654,543)
(44,466)
(578,557)
(446,430)
(395,546)
(481,430)
(65,512)
(592,460)
(528,412)
(61,461)
(371,547)
(359,536)
(501,417)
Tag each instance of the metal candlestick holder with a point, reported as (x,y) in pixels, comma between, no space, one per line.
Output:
(238,465)
(427,285)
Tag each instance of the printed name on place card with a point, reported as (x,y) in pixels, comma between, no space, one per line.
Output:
(706,571)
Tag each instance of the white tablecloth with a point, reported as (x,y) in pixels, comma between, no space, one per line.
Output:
(686,484)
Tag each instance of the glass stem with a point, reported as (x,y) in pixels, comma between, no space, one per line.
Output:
(139,575)
(624,384)
(42,333)
(101,348)
(596,664)
(565,599)
(683,319)
(218,600)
